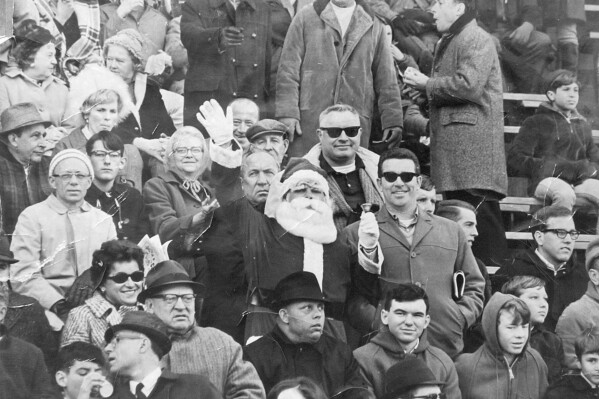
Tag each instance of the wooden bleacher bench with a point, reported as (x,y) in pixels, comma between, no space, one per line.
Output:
(592,8)
(581,243)
(528,100)
(528,204)
(516,129)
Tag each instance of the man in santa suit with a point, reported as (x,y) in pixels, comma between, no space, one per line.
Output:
(295,233)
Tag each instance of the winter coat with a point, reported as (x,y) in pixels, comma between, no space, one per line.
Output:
(556,11)
(383,351)
(572,386)
(48,262)
(320,68)
(577,317)
(550,145)
(213,354)
(516,12)
(50,98)
(550,347)
(89,322)
(23,374)
(329,362)
(240,70)
(562,289)
(170,386)
(19,189)
(151,24)
(466,112)
(438,250)
(485,374)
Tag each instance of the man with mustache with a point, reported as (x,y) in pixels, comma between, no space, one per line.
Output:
(554,234)
(297,346)
(295,233)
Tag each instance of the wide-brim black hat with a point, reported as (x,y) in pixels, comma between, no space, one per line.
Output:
(298,286)
(146,323)
(165,274)
(407,374)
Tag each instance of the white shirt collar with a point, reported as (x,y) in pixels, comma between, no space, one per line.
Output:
(149,382)
(549,265)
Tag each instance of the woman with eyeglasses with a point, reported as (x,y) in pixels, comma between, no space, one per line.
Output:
(117,275)
(179,206)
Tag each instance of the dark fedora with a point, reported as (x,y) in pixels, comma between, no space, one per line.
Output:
(407,374)
(146,323)
(266,126)
(6,255)
(298,286)
(21,115)
(167,274)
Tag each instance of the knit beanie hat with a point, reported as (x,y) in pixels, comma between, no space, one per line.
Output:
(129,39)
(70,153)
(592,253)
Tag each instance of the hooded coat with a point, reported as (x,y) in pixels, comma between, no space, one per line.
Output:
(551,145)
(485,374)
(383,351)
(563,288)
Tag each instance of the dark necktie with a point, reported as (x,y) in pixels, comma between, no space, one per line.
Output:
(138,393)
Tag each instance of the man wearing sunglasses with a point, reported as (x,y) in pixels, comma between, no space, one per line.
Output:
(54,240)
(350,169)
(417,248)
(554,235)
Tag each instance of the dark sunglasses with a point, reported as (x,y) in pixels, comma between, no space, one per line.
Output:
(334,132)
(121,278)
(405,177)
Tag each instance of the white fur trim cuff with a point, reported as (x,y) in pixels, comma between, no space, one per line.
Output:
(227,157)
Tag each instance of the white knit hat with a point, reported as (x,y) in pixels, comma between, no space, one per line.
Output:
(70,153)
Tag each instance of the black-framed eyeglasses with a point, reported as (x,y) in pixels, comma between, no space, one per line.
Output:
(67,177)
(171,299)
(405,177)
(429,396)
(114,155)
(561,233)
(121,278)
(334,132)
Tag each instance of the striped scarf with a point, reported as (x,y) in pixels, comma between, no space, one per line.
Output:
(341,209)
(88,19)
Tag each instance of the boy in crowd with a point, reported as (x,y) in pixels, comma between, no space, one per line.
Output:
(427,195)
(532,291)
(583,313)
(555,147)
(124,203)
(586,383)
(405,317)
(504,363)
(80,369)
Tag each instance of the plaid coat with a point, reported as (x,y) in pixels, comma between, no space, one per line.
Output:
(14,195)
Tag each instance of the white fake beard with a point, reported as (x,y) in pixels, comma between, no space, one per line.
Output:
(308,218)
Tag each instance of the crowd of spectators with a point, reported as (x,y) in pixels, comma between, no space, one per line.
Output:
(325,180)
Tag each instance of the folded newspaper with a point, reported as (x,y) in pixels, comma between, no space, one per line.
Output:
(154,251)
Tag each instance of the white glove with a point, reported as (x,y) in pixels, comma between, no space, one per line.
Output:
(368,232)
(218,125)
(157,63)
(152,147)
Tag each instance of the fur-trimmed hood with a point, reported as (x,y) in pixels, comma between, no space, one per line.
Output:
(94,77)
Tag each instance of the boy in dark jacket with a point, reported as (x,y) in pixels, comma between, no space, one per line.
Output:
(555,147)
(504,367)
(585,384)
(532,291)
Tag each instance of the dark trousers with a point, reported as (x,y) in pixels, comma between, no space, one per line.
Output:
(491,245)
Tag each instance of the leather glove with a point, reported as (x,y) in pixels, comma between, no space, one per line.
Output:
(368,231)
(81,290)
(408,27)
